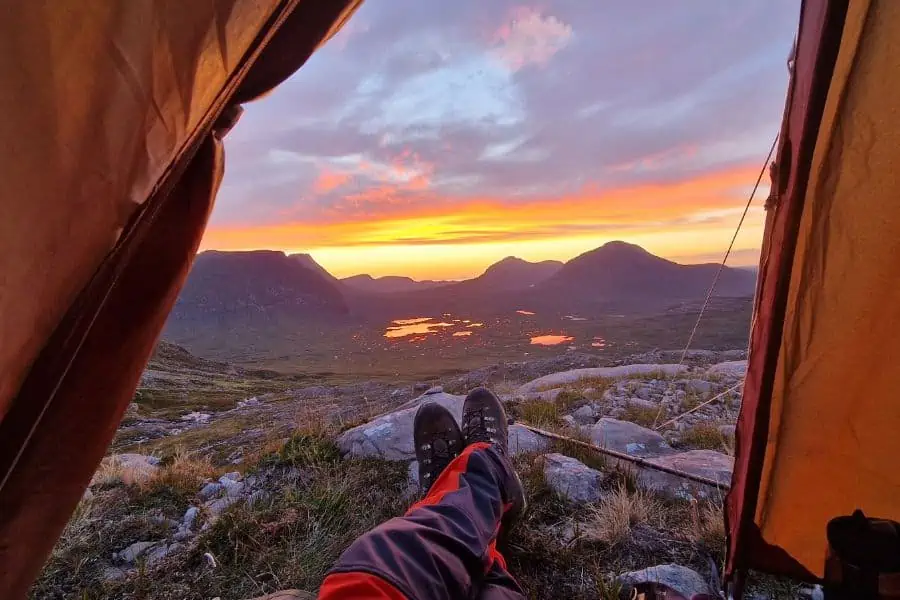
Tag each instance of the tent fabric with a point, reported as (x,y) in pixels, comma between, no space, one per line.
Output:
(826,425)
(113,114)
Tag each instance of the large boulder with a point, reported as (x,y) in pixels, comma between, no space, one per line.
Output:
(576,375)
(627,437)
(390,436)
(686,582)
(585,415)
(705,463)
(523,440)
(734,368)
(571,479)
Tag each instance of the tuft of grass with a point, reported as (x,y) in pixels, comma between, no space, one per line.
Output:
(306,450)
(184,473)
(540,413)
(613,519)
(704,436)
(643,416)
(708,526)
(690,401)
(568,399)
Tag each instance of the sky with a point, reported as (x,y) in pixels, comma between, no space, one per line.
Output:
(432,138)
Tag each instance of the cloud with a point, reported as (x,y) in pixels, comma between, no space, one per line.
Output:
(426,121)
(530,39)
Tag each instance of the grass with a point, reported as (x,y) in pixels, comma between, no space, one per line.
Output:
(591,458)
(614,517)
(540,413)
(708,526)
(706,436)
(641,415)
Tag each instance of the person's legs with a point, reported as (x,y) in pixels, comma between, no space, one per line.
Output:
(445,545)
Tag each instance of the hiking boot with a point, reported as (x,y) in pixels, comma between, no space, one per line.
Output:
(484,420)
(438,441)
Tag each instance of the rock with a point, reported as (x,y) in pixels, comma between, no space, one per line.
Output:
(686,582)
(641,403)
(421,386)
(190,515)
(114,574)
(727,430)
(523,440)
(210,490)
(584,415)
(183,534)
(698,386)
(433,391)
(412,474)
(644,392)
(197,417)
(706,463)
(233,476)
(233,489)
(390,436)
(219,505)
(570,421)
(134,551)
(157,554)
(575,375)
(733,368)
(571,479)
(629,438)
(254,401)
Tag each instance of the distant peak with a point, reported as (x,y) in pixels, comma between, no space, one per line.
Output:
(619,244)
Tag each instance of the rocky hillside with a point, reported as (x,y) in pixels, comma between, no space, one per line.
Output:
(264,494)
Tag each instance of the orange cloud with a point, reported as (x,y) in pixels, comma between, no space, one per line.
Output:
(454,237)
(329,180)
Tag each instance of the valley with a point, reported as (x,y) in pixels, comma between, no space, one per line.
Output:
(265,310)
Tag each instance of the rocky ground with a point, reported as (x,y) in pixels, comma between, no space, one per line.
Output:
(245,483)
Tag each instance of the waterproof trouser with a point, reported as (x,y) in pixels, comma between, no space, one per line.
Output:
(444,547)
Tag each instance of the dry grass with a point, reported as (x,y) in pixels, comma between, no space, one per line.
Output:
(540,413)
(641,415)
(113,471)
(708,526)
(185,473)
(613,519)
(591,458)
(705,436)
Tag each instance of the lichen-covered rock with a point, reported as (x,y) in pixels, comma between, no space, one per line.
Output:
(706,463)
(630,438)
(571,478)
(686,582)
(585,415)
(523,440)
(135,551)
(390,436)
(575,375)
(733,368)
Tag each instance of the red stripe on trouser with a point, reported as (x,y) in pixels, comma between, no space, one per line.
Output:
(357,585)
(448,480)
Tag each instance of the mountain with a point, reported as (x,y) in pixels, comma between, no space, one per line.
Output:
(626,274)
(227,292)
(309,262)
(513,273)
(389,284)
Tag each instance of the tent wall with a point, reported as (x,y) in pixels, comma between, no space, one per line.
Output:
(818,431)
(113,114)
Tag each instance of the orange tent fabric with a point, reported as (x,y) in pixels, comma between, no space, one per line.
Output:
(111,156)
(818,430)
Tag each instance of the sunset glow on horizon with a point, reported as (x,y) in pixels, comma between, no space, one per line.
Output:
(436,144)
